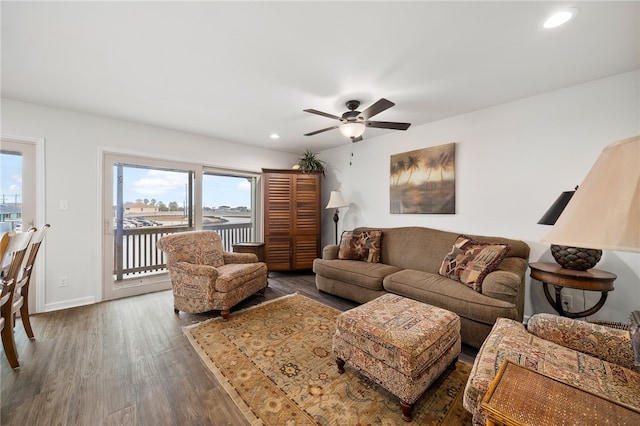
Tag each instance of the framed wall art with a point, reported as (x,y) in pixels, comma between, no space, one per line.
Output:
(423,181)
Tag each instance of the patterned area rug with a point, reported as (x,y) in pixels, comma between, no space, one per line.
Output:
(275,361)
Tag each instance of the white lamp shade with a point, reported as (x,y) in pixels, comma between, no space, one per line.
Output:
(604,213)
(336,200)
(352,130)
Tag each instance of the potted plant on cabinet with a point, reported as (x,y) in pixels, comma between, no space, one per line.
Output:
(309,162)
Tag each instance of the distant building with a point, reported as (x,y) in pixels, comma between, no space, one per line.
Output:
(138,208)
(10,217)
(10,212)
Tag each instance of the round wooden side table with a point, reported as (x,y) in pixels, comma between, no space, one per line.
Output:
(559,278)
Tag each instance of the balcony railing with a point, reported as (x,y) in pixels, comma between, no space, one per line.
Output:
(136,252)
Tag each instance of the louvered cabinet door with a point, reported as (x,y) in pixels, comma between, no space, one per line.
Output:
(306,225)
(278,220)
(291,219)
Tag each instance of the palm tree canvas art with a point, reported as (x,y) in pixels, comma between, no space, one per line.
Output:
(423,181)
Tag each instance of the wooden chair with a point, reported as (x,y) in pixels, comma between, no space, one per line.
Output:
(14,253)
(21,290)
(4,243)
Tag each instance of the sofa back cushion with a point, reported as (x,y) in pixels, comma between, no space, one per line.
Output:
(423,249)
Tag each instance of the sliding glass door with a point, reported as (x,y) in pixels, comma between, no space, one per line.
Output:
(145,199)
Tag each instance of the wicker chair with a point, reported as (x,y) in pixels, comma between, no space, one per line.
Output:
(205,277)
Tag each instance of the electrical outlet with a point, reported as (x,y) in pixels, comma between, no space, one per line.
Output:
(64,281)
(567,302)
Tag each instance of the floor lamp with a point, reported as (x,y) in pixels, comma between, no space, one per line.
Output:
(335,202)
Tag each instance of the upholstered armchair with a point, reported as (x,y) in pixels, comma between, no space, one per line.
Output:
(592,357)
(205,277)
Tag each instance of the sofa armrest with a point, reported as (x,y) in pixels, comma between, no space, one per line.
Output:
(507,283)
(502,285)
(330,252)
(606,343)
(232,257)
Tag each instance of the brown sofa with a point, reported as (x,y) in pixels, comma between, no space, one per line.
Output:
(410,258)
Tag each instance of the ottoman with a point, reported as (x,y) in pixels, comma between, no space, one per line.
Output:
(399,343)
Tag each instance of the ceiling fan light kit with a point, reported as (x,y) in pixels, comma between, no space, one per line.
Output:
(355,122)
(352,130)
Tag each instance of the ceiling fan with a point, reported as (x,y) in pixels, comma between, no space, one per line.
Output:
(355,122)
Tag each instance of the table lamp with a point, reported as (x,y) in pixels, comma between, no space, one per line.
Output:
(576,258)
(335,202)
(605,210)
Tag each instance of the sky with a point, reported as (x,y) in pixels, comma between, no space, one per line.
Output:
(140,183)
(10,178)
(168,186)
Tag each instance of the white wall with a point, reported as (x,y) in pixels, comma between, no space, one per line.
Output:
(512,161)
(72,162)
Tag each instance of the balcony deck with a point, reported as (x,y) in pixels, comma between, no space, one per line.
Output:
(136,253)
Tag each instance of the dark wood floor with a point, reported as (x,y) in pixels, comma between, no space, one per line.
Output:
(127,362)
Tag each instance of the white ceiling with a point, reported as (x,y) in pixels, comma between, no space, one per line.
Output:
(240,71)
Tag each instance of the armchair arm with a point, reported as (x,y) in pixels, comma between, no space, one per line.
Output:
(330,252)
(606,343)
(233,257)
(194,269)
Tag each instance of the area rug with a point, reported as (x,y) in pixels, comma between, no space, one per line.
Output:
(275,361)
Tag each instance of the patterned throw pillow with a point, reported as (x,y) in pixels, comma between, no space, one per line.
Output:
(470,261)
(360,245)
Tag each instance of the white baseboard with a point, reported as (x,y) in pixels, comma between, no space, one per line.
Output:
(65,304)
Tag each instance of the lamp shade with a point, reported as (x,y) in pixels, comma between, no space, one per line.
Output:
(604,212)
(552,215)
(352,130)
(336,200)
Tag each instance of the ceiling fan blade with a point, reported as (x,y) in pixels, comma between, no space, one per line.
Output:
(387,125)
(377,108)
(358,139)
(320,131)
(324,114)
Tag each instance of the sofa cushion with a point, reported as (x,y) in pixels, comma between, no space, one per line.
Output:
(469,261)
(361,274)
(360,245)
(448,294)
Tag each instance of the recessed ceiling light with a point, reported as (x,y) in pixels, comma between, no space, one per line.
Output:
(274,136)
(560,17)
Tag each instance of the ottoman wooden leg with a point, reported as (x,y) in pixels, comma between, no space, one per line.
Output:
(452,366)
(225,314)
(340,365)
(406,411)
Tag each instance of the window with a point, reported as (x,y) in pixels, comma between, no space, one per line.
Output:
(229,206)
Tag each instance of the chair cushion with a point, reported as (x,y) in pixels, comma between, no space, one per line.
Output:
(234,275)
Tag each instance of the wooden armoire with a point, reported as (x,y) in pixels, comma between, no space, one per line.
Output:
(291,218)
